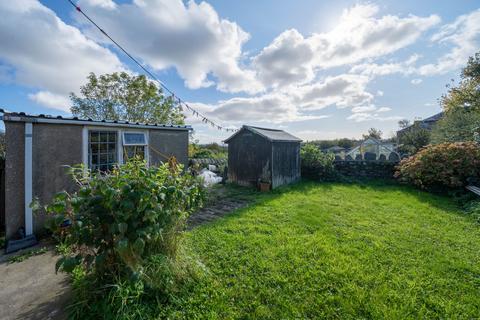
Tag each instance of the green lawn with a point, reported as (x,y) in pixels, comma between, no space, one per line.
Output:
(337,251)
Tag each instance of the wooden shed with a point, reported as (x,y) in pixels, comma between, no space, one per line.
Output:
(268,155)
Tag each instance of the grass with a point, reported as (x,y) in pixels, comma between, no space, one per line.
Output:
(337,251)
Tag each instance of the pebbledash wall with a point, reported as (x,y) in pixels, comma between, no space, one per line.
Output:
(39,148)
(364,169)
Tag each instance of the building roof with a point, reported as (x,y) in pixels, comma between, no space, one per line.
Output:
(273,135)
(433,118)
(430,120)
(42,118)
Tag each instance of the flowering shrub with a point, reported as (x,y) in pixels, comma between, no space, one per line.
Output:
(118,220)
(315,163)
(446,165)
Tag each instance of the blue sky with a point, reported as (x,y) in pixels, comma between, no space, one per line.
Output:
(318,69)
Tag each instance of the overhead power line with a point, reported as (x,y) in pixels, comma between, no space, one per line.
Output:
(175,97)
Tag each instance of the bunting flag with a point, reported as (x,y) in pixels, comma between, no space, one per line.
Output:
(180,103)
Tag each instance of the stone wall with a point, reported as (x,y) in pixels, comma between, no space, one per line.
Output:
(366,169)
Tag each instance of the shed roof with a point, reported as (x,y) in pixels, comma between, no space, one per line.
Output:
(42,118)
(274,135)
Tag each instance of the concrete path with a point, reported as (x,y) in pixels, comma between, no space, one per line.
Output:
(31,290)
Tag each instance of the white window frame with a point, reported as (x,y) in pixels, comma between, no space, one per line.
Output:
(120,131)
(146,154)
(145,134)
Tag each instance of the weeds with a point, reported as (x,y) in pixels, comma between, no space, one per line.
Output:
(27,254)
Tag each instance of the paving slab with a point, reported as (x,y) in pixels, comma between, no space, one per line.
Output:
(30,289)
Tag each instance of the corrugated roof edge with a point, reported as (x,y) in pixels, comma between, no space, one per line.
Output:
(252,128)
(42,118)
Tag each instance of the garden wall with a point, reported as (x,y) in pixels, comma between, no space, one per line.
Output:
(366,169)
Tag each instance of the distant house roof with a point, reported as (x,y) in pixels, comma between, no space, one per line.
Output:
(42,118)
(434,118)
(270,134)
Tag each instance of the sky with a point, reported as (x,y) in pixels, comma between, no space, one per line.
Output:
(317,69)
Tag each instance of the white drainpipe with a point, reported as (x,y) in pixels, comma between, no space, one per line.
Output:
(28,178)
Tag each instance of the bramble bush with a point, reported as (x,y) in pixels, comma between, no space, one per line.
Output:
(316,164)
(120,219)
(441,167)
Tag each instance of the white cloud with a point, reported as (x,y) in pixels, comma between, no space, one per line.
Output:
(363,109)
(51,100)
(47,54)
(371,112)
(464,35)
(288,59)
(309,135)
(287,81)
(372,70)
(274,108)
(416,81)
(384,109)
(342,91)
(296,104)
(361,117)
(170,33)
(292,58)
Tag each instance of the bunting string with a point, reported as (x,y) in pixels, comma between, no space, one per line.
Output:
(177,101)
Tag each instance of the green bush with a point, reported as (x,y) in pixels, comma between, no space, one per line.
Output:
(120,219)
(441,167)
(316,164)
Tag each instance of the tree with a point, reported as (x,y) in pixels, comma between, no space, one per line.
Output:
(467,93)
(461,105)
(413,139)
(404,123)
(342,142)
(373,133)
(121,96)
(458,124)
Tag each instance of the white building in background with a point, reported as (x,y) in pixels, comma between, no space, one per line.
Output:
(373,149)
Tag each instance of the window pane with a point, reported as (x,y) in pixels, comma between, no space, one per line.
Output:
(112,157)
(102,150)
(112,136)
(94,136)
(129,152)
(134,138)
(104,136)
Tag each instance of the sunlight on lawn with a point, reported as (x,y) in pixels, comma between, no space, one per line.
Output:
(334,250)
